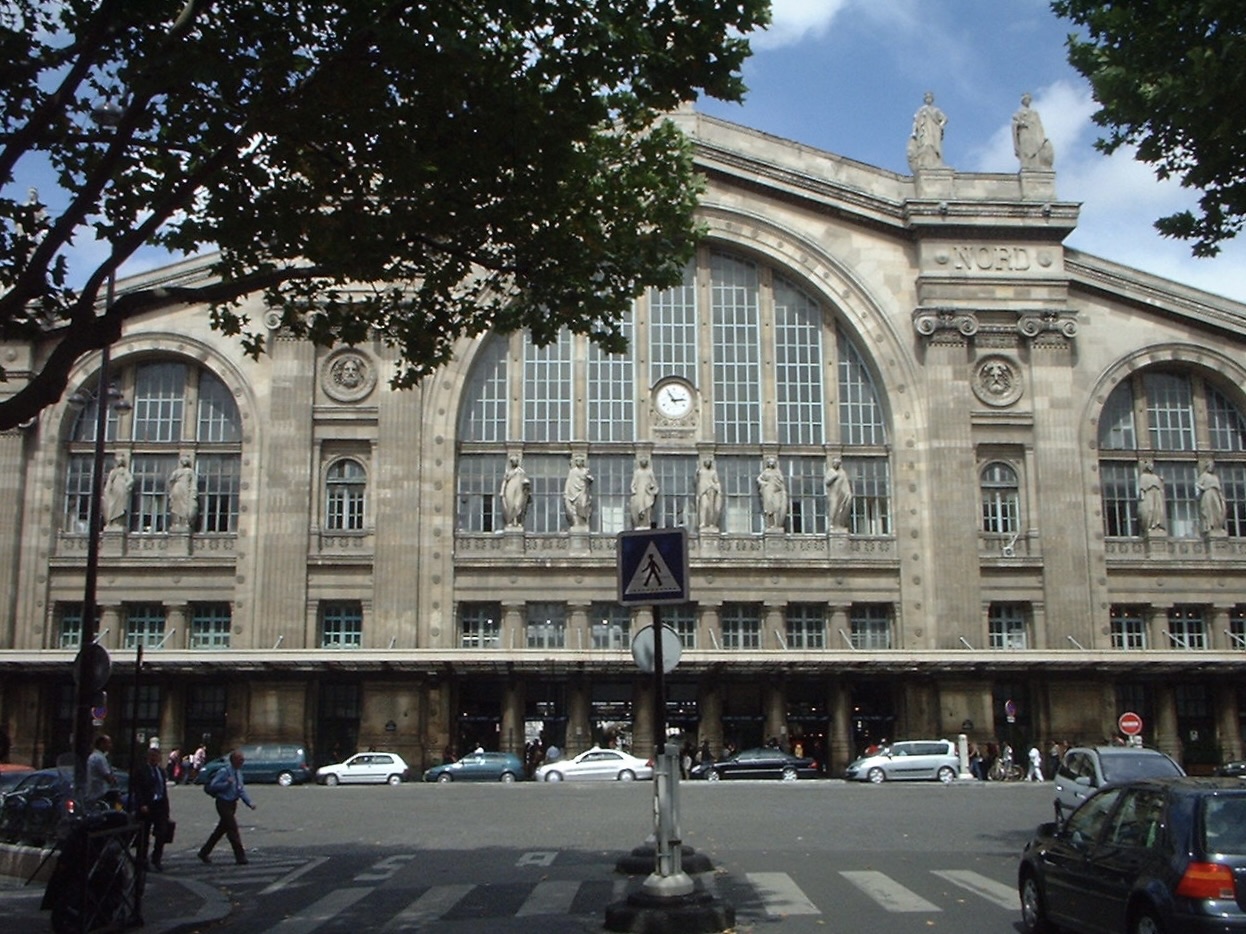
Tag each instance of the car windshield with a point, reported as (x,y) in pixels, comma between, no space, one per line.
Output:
(1126,766)
(1224,824)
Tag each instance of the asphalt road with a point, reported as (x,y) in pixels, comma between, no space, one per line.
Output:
(789,857)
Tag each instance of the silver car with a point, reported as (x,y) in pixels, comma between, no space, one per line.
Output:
(1085,769)
(911,760)
(596,765)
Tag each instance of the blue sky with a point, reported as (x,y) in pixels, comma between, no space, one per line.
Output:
(847,75)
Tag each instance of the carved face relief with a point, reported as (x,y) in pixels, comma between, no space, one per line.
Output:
(997,381)
(349,376)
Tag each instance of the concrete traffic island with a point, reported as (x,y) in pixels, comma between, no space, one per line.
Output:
(698,912)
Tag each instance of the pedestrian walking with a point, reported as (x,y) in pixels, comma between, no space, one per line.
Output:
(101,781)
(1036,765)
(228,788)
(151,797)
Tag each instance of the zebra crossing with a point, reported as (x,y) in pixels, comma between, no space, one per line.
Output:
(758,897)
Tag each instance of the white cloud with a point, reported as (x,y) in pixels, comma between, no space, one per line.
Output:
(793,21)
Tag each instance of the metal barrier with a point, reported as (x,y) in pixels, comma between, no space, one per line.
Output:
(97,884)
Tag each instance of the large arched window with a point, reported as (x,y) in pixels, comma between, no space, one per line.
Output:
(345,486)
(708,338)
(1001,500)
(177,410)
(1176,422)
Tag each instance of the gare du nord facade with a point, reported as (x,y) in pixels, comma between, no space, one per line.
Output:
(1001,405)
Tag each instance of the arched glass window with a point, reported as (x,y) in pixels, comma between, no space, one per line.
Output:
(708,337)
(345,486)
(177,410)
(1000,499)
(1179,422)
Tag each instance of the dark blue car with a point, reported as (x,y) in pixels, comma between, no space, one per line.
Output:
(1143,857)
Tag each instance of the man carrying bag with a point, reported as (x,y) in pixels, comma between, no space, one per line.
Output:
(227,787)
(151,798)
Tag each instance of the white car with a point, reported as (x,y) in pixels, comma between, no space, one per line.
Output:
(600,765)
(363,768)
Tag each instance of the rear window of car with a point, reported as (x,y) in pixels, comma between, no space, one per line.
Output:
(1224,824)
(1126,766)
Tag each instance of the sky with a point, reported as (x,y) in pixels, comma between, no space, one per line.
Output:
(847,75)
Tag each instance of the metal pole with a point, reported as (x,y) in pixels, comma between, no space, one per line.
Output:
(82,700)
(659,688)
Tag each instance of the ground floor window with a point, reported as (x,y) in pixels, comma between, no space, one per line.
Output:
(144,625)
(210,625)
(341,624)
(480,625)
(871,625)
(1007,626)
(806,626)
(546,625)
(741,626)
(1128,628)
(611,625)
(1186,628)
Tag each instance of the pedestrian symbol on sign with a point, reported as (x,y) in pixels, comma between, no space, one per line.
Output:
(653,566)
(652,575)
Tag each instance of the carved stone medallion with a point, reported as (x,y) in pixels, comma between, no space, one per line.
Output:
(997,381)
(348,376)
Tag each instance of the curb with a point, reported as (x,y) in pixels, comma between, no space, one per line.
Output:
(216,907)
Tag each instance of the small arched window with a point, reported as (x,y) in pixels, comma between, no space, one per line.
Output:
(1001,499)
(345,489)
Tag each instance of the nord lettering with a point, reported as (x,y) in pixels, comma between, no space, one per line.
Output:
(991,258)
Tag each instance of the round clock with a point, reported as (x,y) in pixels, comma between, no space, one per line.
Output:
(674,400)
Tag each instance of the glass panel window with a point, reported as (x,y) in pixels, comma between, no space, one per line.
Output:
(1007,626)
(480,479)
(1237,627)
(798,365)
(78,493)
(484,412)
(741,626)
(611,392)
(1233,483)
(1181,498)
(673,330)
(860,415)
(741,507)
(1225,425)
(480,625)
(159,401)
(1186,628)
(806,484)
(1170,411)
(219,483)
(548,473)
(218,414)
(871,501)
(1128,628)
(547,390)
(149,509)
(341,624)
(69,625)
(682,619)
(737,350)
(1116,423)
(210,625)
(611,626)
(546,625)
(871,625)
(344,496)
(144,625)
(806,626)
(1000,499)
(1119,487)
(611,491)
(677,498)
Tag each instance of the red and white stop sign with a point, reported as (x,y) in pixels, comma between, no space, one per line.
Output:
(1130,723)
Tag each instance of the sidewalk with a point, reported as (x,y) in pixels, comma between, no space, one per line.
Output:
(172,901)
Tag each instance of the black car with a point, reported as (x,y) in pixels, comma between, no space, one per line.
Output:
(33,810)
(1236,769)
(765,762)
(1143,857)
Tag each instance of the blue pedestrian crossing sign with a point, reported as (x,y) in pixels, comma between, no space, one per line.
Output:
(653,566)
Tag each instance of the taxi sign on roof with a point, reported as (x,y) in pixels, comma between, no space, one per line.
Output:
(653,566)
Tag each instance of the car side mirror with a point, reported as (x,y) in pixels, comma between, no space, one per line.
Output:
(1083,780)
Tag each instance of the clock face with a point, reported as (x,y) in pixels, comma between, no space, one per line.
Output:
(674,400)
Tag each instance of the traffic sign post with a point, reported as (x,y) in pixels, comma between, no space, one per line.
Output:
(1129,723)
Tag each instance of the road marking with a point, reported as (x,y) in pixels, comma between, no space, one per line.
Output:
(537,858)
(550,898)
(291,876)
(780,894)
(428,907)
(382,870)
(1003,895)
(328,908)
(890,894)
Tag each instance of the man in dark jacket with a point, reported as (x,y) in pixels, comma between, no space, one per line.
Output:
(151,801)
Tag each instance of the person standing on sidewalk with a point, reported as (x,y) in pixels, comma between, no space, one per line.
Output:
(151,794)
(228,789)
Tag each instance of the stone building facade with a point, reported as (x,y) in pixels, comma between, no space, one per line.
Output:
(1025,541)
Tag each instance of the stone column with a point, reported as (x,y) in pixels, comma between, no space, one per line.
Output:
(709,627)
(1218,621)
(1156,623)
(840,622)
(176,625)
(642,716)
(579,632)
(772,623)
(514,702)
(839,749)
(710,708)
(579,712)
(110,626)
(776,712)
(513,634)
(1165,737)
(1228,721)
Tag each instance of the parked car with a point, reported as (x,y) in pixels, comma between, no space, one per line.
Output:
(1235,769)
(763,762)
(11,775)
(285,764)
(31,811)
(910,760)
(479,767)
(1142,857)
(1086,768)
(596,765)
(364,768)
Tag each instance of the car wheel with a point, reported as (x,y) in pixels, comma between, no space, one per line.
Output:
(285,779)
(394,780)
(627,775)
(876,775)
(331,779)
(1145,922)
(507,777)
(947,775)
(445,778)
(1033,906)
(553,776)
(713,775)
(789,774)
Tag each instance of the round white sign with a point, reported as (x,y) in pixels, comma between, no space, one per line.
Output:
(643,645)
